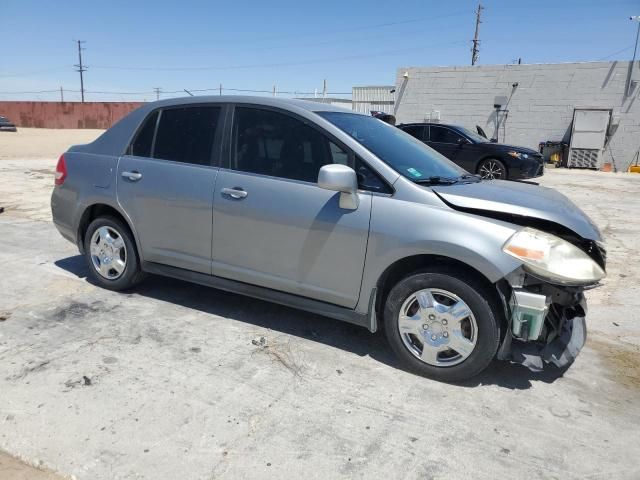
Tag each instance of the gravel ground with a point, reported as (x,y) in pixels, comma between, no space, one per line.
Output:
(172,381)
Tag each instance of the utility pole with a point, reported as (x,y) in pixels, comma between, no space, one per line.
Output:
(157,90)
(476,42)
(324,89)
(220,89)
(61,95)
(274,91)
(81,68)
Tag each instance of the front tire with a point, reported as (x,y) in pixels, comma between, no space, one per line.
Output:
(111,254)
(441,326)
(492,169)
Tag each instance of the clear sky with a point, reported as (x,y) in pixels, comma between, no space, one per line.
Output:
(134,46)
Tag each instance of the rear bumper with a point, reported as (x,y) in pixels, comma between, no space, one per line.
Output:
(61,215)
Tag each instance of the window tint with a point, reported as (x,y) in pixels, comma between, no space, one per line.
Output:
(402,152)
(271,143)
(186,134)
(443,135)
(141,146)
(368,179)
(416,131)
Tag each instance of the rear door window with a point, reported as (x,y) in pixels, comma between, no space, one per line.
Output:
(186,134)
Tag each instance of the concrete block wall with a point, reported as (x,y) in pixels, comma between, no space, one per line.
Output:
(540,107)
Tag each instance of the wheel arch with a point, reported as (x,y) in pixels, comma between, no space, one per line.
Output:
(406,266)
(96,210)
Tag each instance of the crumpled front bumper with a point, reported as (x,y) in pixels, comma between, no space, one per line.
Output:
(561,351)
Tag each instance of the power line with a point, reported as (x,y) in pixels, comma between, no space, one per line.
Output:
(476,41)
(282,64)
(615,53)
(323,33)
(158,90)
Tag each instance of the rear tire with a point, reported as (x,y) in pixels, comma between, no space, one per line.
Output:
(449,317)
(111,254)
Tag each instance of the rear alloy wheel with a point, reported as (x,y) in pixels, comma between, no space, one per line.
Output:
(492,169)
(108,252)
(111,254)
(441,326)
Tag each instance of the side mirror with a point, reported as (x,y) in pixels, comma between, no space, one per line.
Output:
(461,141)
(340,178)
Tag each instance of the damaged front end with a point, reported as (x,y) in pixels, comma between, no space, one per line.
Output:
(544,303)
(546,324)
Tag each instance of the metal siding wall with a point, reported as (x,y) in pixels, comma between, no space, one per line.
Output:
(66,114)
(541,107)
(379,98)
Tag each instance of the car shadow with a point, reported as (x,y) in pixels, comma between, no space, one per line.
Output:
(305,325)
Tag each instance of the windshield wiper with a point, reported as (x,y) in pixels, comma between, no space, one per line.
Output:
(435,180)
(470,177)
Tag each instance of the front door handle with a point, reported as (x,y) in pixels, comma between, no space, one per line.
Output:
(133,176)
(236,192)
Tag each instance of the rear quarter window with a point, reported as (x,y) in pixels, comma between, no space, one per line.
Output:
(141,145)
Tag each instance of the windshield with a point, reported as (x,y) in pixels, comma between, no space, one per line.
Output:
(406,155)
(475,137)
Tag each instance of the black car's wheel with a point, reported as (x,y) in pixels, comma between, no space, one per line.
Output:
(441,326)
(111,254)
(492,169)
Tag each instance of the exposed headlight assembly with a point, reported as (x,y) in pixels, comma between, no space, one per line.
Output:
(553,258)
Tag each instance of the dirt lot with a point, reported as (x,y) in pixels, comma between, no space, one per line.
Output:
(169,381)
(41,142)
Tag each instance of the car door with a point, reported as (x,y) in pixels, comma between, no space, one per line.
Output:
(273,226)
(166,182)
(444,140)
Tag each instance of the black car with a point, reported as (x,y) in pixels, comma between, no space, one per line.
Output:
(476,154)
(6,125)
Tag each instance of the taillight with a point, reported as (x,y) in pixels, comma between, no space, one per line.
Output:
(61,171)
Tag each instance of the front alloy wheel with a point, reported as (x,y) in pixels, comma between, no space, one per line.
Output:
(492,169)
(443,323)
(437,327)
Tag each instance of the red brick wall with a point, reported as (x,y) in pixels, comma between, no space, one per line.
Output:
(66,114)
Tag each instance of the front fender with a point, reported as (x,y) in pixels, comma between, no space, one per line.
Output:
(402,229)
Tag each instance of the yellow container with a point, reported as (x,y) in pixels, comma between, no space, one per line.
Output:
(634,168)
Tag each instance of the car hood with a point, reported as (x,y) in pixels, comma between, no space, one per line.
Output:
(525,201)
(506,148)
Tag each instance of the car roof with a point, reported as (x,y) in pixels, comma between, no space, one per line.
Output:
(431,123)
(287,103)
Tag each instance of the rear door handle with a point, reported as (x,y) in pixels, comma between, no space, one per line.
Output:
(236,192)
(133,176)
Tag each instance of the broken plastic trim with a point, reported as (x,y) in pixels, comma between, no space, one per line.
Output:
(561,351)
